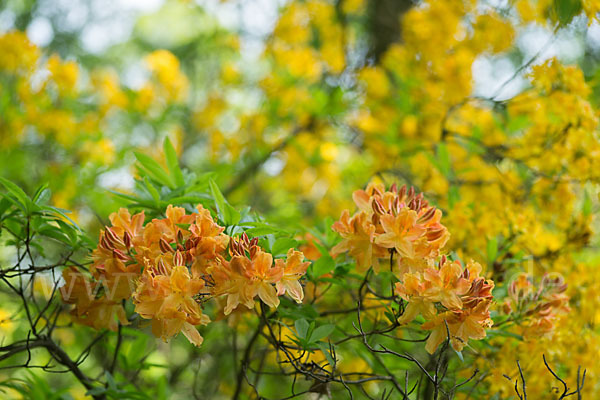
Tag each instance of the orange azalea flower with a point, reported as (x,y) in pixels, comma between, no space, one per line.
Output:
(358,233)
(210,241)
(401,221)
(396,219)
(243,278)
(293,269)
(446,285)
(411,290)
(170,230)
(184,262)
(262,276)
(309,249)
(90,309)
(401,232)
(413,234)
(537,308)
(167,294)
(374,192)
(113,263)
(229,282)
(112,254)
(127,223)
(101,314)
(463,325)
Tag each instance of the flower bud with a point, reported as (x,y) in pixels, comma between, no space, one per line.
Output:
(178,259)
(427,216)
(377,206)
(165,247)
(127,239)
(402,192)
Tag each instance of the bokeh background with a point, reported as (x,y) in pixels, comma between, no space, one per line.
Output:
(488,107)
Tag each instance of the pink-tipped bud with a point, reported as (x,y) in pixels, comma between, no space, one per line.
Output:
(377,206)
(112,237)
(104,243)
(119,255)
(165,247)
(435,234)
(402,192)
(396,206)
(127,239)
(236,249)
(374,219)
(394,188)
(253,251)
(178,258)
(443,260)
(411,193)
(427,216)
(161,267)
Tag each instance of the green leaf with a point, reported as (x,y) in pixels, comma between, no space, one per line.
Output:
(62,213)
(95,391)
(218,196)
(153,169)
(55,233)
(322,332)
(110,380)
(301,326)
(453,195)
(173,163)
(500,332)
(322,266)
(228,214)
(460,355)
(587,204)
(22,199)
(152,190)
(282,245)
(123,196)
(232,215)
(443,159)
(518,123)
(42,195)
(325,349)
(261,231)
(4,205)
(566,10)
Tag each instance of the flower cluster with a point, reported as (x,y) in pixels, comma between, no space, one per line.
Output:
(397,220)
(536,309)
(465,296)
(454,299)
(170,267)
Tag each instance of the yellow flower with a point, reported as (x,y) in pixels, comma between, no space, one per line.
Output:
(19,55)
(64,74)
(165,67)
(6,323)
